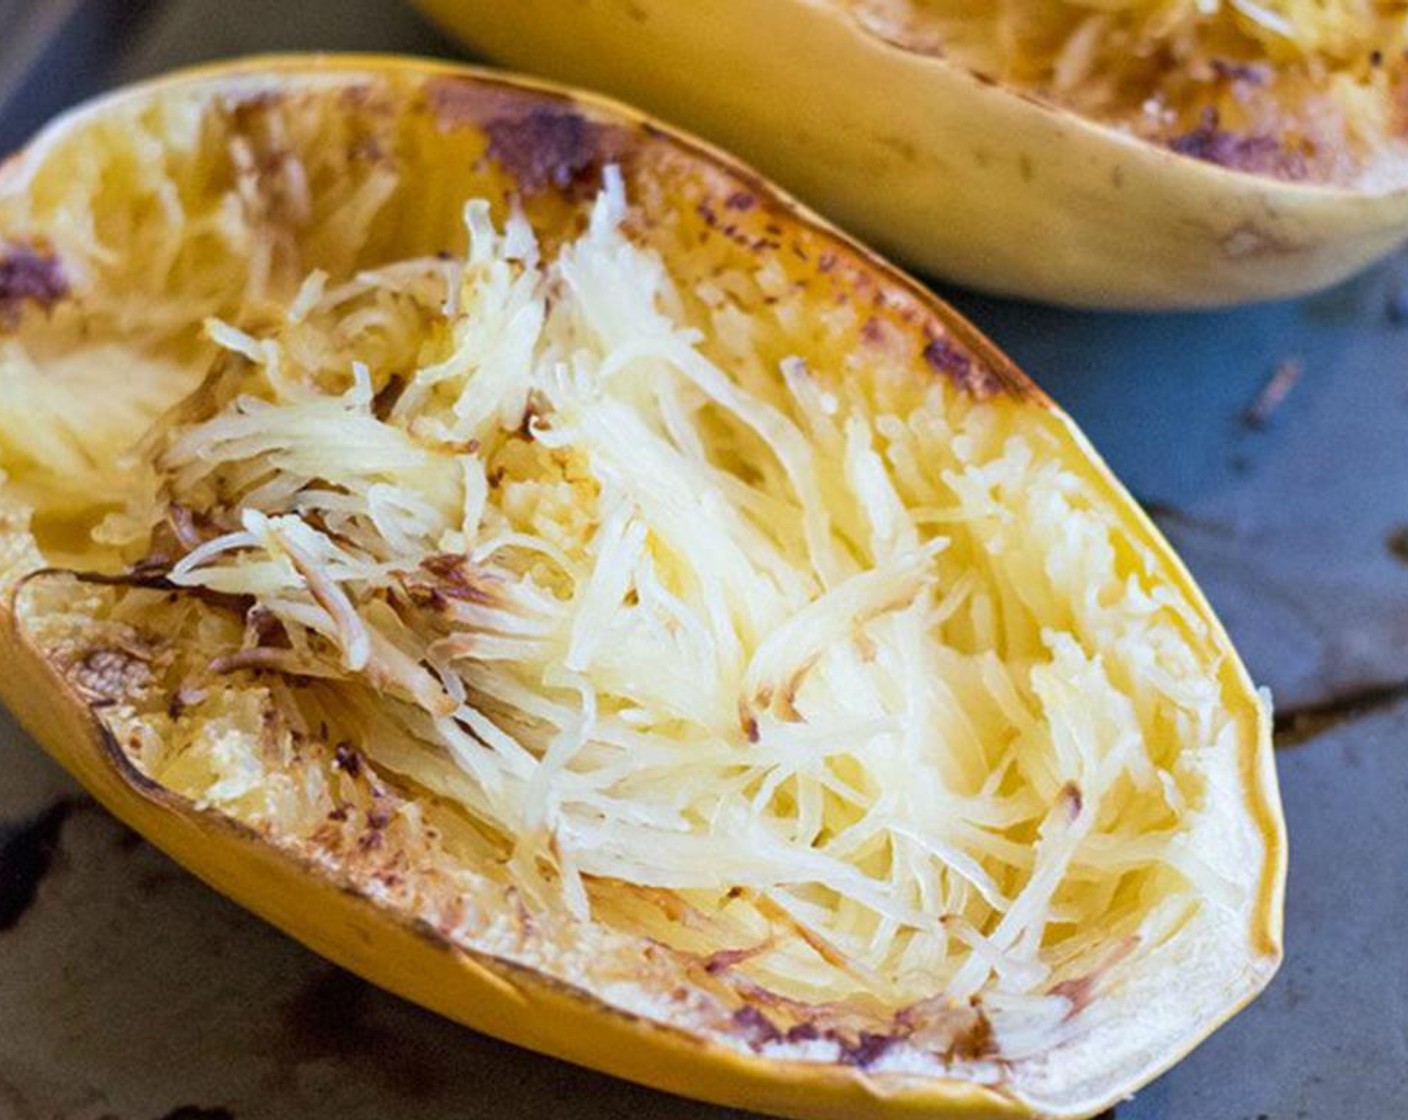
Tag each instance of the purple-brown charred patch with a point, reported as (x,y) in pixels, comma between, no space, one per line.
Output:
(1071,800)
(859,1048)
(541,140)
(755,1027)
(451,578)
(28,276)
(946,357)
(346,759)
(803,1032)
(546,147)
(868,1048)
(737,229)
(1256,154)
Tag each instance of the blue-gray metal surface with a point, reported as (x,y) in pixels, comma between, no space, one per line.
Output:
(130,992)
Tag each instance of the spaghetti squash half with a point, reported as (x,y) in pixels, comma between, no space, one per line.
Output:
(529,559)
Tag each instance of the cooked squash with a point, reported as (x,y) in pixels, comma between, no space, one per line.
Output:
(532,561)
(1109,153)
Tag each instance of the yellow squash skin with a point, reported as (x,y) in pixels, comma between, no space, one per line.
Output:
(404,955)
(956,176)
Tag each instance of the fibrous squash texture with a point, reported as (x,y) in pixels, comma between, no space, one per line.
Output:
(571,570)
(1294,89)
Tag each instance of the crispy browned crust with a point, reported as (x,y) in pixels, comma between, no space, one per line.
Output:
(547,140)
(28,275)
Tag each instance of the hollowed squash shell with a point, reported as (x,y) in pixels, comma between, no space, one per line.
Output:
(532,561)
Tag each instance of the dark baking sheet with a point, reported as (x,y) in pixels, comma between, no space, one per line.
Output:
(130,992)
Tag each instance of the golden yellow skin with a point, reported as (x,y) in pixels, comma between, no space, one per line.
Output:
(396,951)
(952,174)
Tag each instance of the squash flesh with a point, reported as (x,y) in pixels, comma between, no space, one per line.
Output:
(1005,540)
(1295,91)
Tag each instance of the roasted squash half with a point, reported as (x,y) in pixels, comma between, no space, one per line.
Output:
(1119,153)
(526,557)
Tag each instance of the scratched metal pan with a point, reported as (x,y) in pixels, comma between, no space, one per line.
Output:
(1272,445)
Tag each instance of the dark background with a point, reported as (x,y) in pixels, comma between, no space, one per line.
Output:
(130,992)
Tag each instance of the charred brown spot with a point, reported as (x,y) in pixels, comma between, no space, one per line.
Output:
(977,1042)
(875,331)
(755,1027)
(946,357)
(786,703)
(370,840)
(737,232)
(196,1112)
(387,396)
(247,108)
(547,147)
(1250,152)
(378,817)
(867,1049)
(28,276)
(541,140)
(803,1032)
(26,855)
(534,411)
(454,580)
(263,627)
(346,759)
(183,700)
(1071,800)
(725,959)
